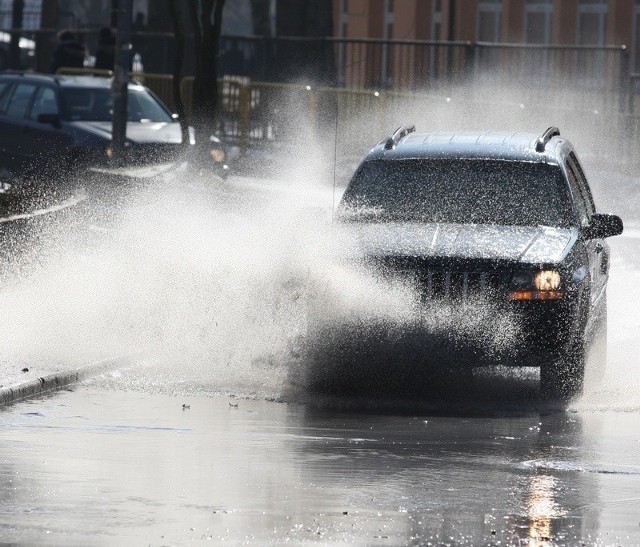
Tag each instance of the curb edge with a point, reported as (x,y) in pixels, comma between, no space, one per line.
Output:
(57,380)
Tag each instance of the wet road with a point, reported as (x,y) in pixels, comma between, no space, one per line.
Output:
(253,458)
(101,467)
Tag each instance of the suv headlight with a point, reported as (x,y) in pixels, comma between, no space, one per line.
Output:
(547,280)
(536,285)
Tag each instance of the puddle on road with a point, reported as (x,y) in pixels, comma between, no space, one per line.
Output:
(112,467)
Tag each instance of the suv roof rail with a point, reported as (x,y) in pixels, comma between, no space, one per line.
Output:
(398,135)
(543,139)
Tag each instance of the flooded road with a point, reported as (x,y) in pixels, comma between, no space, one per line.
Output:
(209,439)
(97,466)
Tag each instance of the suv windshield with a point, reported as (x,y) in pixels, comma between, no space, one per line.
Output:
(457,192)
(95,105)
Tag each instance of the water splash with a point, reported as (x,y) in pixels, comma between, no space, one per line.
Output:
(215,280)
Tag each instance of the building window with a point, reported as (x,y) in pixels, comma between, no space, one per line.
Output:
(436,20)
(537,21)
(388,35)
(591,31)
(388,21)
(592,22)
(489,20)
(342,34)
(636,38)
(344,18)
(30,14)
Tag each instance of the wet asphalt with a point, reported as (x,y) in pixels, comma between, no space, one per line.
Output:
(98,466)
(208,444)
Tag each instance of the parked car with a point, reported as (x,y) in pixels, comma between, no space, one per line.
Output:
(504,219)
(54,126)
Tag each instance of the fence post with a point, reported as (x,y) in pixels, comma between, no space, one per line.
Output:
(382,100)
(244,97)
(313,108)
(626,91)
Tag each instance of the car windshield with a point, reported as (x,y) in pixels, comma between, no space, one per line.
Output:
(457,192)
(96,105)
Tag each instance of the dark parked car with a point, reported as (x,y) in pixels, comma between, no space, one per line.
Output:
(503,219)
(53,126)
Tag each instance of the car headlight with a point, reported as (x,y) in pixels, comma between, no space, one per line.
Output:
(547,280)
(536,285)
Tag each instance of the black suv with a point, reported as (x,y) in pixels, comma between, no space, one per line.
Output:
(498,221)
(52,125)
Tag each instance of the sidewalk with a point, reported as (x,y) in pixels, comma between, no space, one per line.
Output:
(20,381)
(22,377)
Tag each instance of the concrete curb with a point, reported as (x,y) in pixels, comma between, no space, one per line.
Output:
(57,380)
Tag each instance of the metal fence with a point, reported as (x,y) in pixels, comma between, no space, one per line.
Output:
(599,73)
(270,116)
(278,90)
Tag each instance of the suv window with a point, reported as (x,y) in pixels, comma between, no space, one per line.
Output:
(458,191)
(582,184)
(44,103)
(578,198)
(19,101)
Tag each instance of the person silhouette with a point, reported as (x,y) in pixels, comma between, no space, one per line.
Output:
(138,24)
(106,50)
(68,53)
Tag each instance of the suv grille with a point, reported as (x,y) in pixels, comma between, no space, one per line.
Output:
(442,283)
(457,285)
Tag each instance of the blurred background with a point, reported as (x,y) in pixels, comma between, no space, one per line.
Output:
(347,72)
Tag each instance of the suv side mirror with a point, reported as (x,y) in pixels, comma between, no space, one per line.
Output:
(50,118)
(603,225)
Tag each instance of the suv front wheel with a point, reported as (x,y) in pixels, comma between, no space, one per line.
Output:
(564,378)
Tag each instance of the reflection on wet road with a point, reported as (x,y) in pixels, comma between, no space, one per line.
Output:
(96,466)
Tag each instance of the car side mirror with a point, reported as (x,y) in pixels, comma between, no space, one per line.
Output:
(603,225)
(50,118)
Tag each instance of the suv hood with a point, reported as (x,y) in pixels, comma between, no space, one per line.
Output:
(137,132)
(524,244)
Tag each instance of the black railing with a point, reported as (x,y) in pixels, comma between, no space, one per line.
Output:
(599,74)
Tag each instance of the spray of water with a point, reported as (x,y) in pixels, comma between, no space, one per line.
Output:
(233,286)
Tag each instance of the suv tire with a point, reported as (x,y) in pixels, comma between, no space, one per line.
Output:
(564,379)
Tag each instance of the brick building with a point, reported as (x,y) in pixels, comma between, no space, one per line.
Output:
(568,22)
